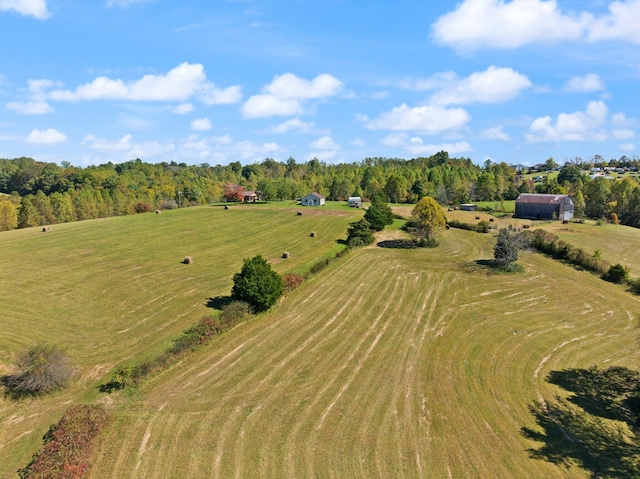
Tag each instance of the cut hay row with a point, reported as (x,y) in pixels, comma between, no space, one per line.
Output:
(391,363)
(116,289)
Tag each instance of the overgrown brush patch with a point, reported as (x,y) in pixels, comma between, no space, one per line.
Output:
(68,445)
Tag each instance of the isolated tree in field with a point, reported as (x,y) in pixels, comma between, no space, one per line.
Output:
(41,369)
(257,284)
(359,234)
(508,243)
(378,215)
(426,218)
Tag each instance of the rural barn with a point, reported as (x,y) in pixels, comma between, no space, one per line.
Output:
(354,201)
(249,196)
(468,207)
(312,199)
(544,207)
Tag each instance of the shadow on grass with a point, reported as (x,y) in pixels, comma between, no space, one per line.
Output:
(13,393)
(576,431)
(219,302)
(494,266)
(398,244)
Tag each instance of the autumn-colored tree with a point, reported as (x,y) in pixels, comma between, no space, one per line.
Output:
(233,192)
(427,218)
(8,215)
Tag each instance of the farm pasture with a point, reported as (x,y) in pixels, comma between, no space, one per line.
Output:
(116,290)
(390,363)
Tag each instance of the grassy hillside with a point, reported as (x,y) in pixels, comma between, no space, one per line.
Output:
(394,363)
(390,363)
(115,289)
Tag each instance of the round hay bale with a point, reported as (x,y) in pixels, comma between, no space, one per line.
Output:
(158,212)
(188,260)
(226,207)
(313,234)
(299,213)
(286,255)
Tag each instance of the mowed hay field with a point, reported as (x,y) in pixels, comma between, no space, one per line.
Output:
(115,290)
(390,363)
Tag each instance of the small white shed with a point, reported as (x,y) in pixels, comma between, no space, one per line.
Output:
(312,199)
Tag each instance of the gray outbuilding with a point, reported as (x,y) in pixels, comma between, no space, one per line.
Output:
(544,207)
(312,199)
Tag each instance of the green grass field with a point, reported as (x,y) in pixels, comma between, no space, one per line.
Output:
(389,363)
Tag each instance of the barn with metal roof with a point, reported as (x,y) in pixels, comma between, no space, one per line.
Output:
(544,207)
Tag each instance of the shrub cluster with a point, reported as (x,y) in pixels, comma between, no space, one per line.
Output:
(192,338)
(291,281)
(142,207)
(550,244)
(480,227)
(68,445)
(42,368)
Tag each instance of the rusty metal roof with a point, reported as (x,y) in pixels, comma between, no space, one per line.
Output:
(540,199)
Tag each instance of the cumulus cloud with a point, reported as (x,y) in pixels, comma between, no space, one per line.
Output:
(579,126)
(288,94)
(126,3)
(295,124)
(30,107)
(494,85)
(422,119)
(417,147)
(37,103)
(584,84)
(183,108)
(33,8)
(185,81)
(46,137)
(201,124)
(129,148)
(621,23)
(495,133)
(324,149)
(501,24)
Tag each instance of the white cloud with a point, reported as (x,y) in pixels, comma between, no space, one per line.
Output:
(287,94)
(295,124)
(183,108)
(179,84)
(494,85)
(627,147)
(623,134)
(476,24)
(418,148)
(129,148)
(46,137)
(201,124)
(394,140)
(126,3)
(324,149)
(325,143)
(422,119)
(584,84)
(620,24)
(122,144)
(30,107)
(578,126)
(495,133)
(34,8)
(415,145)
(505,25)
(37,105)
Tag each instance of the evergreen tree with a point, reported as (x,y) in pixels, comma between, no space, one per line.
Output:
(257,284)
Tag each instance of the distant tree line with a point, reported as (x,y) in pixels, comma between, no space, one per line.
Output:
(34,193)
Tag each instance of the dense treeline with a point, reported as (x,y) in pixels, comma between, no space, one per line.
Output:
(38,193)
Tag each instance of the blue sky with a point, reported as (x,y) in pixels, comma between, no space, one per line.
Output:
(241,80)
